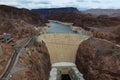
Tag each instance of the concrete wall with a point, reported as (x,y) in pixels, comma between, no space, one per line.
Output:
(62,46)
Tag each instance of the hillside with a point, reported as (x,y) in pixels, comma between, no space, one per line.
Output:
(47,12)
(77,17)
(35,63)
(15,20)
(109,12)
(84,20)
(98,59)
(8,12)
(19,24)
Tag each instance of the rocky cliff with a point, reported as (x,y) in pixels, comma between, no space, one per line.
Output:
(48,12)
(35,64)
(109,33)
(98,59)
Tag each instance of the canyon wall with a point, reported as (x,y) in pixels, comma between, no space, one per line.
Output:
(98,59)
(33,64)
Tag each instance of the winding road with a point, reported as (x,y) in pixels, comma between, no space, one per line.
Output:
(15,55)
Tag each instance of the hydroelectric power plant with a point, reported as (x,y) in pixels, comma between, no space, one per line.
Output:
(65,43)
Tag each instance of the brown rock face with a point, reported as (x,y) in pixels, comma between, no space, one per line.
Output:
(109,33)
(5,56)
(98,59)
(22,14)
(35,62)
(20,24)
(86,20)
(17,28)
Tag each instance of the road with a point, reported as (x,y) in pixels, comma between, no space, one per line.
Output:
(15,54)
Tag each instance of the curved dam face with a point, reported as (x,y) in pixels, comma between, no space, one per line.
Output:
(62,46)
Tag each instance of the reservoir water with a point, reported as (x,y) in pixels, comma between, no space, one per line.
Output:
(56,27)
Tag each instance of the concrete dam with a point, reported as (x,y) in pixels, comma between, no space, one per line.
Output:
(62,46)
(62,41)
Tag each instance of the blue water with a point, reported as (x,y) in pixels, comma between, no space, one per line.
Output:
(59,28)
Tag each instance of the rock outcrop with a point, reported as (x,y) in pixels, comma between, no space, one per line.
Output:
(98,59)
(109,33)
(35,62)
(7,50)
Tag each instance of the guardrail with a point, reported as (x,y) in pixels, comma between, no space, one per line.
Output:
(75,74)
(55,74)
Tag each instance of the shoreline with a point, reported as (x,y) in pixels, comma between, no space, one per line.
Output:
(64,23)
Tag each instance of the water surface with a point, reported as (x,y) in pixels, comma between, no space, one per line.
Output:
(59,28)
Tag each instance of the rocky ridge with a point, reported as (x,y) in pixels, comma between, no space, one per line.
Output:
(98,59)
(35,62)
